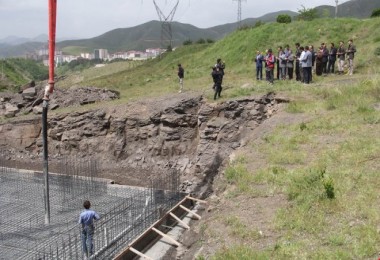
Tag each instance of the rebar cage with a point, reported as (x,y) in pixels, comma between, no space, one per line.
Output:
(126,211)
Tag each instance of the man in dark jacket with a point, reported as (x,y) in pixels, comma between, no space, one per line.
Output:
(259,65)
(325,57)
(332,59)
(351,49)
(221,65)
(217,77)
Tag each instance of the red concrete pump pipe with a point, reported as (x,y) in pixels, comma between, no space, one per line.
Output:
(52,29)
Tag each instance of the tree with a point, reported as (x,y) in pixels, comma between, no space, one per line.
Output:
(188,42)
(307,14)
(201,41)
(258,24)
(375,13)
(284,18)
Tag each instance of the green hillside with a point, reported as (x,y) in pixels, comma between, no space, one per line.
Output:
(238,50)
(17,71)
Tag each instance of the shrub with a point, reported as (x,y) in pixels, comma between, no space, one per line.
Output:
(375,13)
(188,42)
(377,51)
(201,41)
(258,24)
(284,18)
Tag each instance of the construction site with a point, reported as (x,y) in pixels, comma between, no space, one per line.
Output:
(127,213)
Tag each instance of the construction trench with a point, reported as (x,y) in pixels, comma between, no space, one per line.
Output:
(169,148)
(126,212)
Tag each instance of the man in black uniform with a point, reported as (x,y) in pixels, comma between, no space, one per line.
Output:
(217,77)
(221,65)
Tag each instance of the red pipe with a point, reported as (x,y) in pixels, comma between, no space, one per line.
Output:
(52,27)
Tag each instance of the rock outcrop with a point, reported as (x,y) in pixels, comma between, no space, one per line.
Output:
(190,135)
(29,99)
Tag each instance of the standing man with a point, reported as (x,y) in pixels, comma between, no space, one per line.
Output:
(325,58)
(351,49)
(280,51)
(332,59)
(270,61)
(181,75)
(301,61)
(259,65)
(221,65)
(86,219)
(341,57)
(298,55)
(217,78)
(281,64)
(289,61)
(306,65)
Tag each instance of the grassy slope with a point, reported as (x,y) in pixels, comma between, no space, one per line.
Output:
(238,49)
(327,166)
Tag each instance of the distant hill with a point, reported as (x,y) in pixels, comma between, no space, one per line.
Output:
(271,17)
(353,8)
(140,37)
(14,40)
(148,35)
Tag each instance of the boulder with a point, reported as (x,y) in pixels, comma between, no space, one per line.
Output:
(29,93)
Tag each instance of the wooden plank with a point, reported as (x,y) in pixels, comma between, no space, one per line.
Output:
(191,212)
(140,254)
(195,199)
(120,255)
(179,220)
(166,237)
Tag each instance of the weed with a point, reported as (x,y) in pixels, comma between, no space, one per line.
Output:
(303,126)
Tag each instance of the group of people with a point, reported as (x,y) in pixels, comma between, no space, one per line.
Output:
(303,60)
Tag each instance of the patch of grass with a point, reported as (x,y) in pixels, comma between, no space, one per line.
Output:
(239,252)
(237,174)
(239,229)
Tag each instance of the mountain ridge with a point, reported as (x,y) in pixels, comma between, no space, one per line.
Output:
(148,35)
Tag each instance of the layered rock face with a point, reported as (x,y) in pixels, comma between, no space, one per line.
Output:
(142,139)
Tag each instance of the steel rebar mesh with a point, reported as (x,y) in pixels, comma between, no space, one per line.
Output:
(125,212)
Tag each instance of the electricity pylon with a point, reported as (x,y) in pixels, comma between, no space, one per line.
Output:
(166,27)
(239,12)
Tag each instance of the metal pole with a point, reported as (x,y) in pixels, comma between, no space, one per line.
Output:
(336,9)
(45,106)
(48,90)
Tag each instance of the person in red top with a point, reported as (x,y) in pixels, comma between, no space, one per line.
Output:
(270,61)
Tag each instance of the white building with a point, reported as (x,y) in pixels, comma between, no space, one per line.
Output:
(101,54)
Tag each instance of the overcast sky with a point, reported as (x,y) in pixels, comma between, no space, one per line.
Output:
(89,18)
